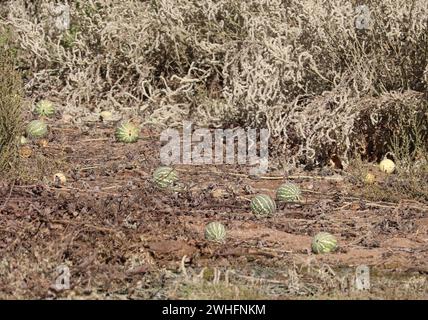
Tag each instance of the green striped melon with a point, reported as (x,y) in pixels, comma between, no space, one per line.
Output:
(165,177)
(37,129)
(215,231)
(324,242)
(127,132)
(262,205)
(45,108)
(288,192)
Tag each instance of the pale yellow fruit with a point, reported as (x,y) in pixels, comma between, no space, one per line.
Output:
(23,140)
(387,166)
(59,178)
(106,115)
(369,179)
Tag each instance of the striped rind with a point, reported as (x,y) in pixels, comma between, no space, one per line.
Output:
(127,132)
(288,192)
(215,231)
(37,129)
(263,205)
(45,108)
(165,177)
(324,242)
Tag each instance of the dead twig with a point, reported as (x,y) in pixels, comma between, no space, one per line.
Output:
(8,197)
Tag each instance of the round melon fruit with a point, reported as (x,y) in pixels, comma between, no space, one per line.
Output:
(262,205)
(127,133)
(387,166)
(215,231)
(165,177)
(324,242)
(288,192)
(37,129)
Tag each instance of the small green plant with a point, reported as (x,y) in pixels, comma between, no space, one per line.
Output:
(10,104)
(6,45)
(69,38)
(408,145)
(409,138)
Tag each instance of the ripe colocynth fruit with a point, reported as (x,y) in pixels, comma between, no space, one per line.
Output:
(59,178)
(387,166)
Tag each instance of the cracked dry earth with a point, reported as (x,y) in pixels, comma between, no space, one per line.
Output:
(123,238)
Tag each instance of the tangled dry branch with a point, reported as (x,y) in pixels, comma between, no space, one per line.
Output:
(301,68)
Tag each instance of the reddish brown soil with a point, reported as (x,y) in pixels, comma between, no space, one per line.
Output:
(116,231)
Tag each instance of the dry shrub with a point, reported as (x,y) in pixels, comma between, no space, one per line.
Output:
(394,121)
(300,68)
(99,63)
(10,104)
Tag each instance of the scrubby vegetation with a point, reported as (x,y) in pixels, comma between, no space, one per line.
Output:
(301,68)
(10,104)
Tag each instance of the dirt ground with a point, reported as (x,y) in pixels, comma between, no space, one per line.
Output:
(122,238)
